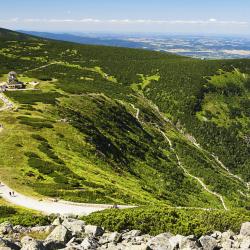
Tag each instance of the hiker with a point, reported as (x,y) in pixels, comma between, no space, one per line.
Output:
(13,193)
(10,193)
(115,206)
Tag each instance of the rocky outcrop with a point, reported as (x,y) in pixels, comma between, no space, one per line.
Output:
(73,234)
(58,238)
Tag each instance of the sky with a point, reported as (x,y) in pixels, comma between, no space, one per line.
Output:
(123,16)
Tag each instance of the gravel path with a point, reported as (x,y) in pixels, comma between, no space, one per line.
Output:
(47,206)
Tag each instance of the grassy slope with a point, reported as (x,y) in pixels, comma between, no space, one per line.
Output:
(78,137)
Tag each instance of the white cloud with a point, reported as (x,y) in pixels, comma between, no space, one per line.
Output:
(126,21)
(212,20)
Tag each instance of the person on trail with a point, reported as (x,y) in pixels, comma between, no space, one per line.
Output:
(115,206)
(10,193)
(13,193)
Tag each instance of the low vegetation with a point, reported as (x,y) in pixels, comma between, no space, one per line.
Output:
(156,220)
(93,130)
(19,216)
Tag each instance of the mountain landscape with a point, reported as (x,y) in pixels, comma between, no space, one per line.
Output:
(124,126)
(162,139)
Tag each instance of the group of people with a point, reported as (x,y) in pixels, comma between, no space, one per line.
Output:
(12,193)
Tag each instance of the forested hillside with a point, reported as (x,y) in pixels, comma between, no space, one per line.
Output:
(117,125)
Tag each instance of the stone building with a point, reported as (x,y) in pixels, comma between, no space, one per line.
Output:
(12,81)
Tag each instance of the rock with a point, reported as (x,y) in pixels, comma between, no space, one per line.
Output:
(20,229)
(29,243)
(216,235)
(227,244)
(130,235)
(94,230)
(124,246)
(160,242)
(189,243)
(60,233)
(245,244)
(58,238)
(89,243)
(57,221)
(75,226)
(175,241)
(140,240)
(110,238)
(208,243)
(245,229)
(42,229)
(6,228)
(227,235)
(6,244)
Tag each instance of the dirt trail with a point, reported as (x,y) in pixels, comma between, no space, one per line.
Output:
(137,111)
(47,206)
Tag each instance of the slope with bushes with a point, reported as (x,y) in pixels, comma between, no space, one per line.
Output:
(92,131)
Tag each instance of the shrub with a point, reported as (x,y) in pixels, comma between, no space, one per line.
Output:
(156,220)
(23,218)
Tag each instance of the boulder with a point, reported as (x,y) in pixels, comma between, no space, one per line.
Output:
(6,244)
(208,243)
(57,221)
(6,228)
(124,246)
(216,235)
(227,244)
(227,235)
(175,241)
(58,238)
(94,230)
(29,243)
(189,243)
(131,234)
(245,229)
(89,243)
(160,242)
(75,226)
(245,244)
(20,229)
(110,238)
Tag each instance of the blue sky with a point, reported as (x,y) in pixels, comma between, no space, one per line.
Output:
(175,16)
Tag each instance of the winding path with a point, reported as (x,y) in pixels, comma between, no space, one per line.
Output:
(178,159)
(41,67)
(137,111)
(7,103)
(47,206)
(192,176)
